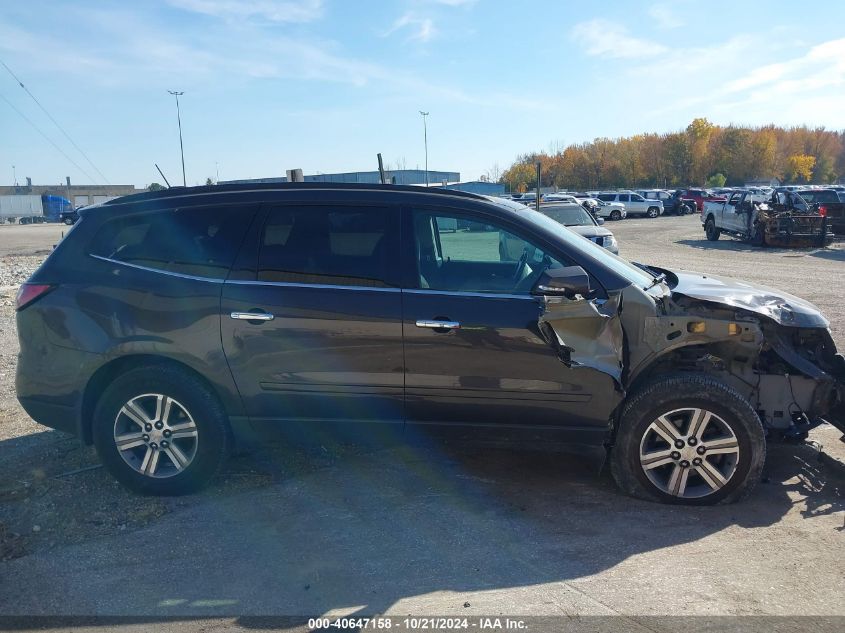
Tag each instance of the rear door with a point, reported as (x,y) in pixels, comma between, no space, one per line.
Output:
(474,352)
(312,316)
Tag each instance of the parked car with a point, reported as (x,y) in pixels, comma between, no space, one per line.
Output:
(571,215)
(606,210)
(700,196)
(826,201)
(167,325)
(634,203)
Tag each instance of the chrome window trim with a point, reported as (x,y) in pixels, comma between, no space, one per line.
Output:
(213,280)
(295,284)
(462,293)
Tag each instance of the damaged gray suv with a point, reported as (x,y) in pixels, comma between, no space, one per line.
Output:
(167,326)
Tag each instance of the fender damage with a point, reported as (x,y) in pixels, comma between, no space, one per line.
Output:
(773,348)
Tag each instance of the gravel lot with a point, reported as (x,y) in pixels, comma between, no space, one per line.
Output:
(424,528)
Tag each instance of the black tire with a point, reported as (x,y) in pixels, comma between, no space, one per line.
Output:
(665,394)
(616,215)
(68,221)
(652,212)
(213,435)
(711,231)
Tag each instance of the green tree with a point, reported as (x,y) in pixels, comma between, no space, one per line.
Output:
(154,186)
(717,180)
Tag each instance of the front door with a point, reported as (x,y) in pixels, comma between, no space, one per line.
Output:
(474,352)
(314,332)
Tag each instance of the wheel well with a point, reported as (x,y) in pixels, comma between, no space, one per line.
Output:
(109,372)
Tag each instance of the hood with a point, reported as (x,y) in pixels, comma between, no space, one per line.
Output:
(590,231)
(781,307)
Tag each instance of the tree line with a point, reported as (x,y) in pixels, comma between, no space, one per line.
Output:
(703,154)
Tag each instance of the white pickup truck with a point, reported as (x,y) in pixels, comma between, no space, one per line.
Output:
(762,221)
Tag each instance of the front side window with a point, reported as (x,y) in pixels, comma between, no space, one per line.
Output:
(637,198)
(347,246)
(461,254)
(200,242)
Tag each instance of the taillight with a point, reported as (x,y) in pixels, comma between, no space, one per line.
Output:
(822,210)
(28,293)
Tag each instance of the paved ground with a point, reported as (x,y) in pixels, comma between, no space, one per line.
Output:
(423,528)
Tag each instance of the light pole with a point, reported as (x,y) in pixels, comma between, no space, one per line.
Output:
(425,138)
(14,176)
(181,147)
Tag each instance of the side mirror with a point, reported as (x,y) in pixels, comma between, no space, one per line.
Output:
(563,282)
(600,221)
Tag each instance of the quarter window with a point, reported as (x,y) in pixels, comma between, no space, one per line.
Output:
(198,241)
(347,246)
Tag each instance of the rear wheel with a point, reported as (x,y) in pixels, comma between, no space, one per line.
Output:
(711,231)
(615,215)
(688,439)
(652,212)
(160,430)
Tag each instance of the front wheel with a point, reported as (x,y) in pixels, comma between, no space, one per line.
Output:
(652,212)
(615,215)
(160,430)
(688,439)
(711,231)
(68,221)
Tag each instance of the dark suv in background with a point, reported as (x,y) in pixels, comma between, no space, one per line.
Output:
(166,325)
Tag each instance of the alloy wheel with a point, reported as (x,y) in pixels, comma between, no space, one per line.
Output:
(156,435)
(689,453)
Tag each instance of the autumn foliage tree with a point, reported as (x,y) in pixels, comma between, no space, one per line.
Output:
(702,153)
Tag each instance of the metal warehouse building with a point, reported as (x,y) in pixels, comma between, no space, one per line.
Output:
(401,176)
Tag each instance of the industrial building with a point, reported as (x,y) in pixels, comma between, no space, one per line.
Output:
(78,195)
(396,176)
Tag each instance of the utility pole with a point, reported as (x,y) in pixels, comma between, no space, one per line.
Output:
(181,147)
(537,199)
(14,176)
(217,169)
(425,138)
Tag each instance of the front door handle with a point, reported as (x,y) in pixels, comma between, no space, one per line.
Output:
(438,325)
(252,316)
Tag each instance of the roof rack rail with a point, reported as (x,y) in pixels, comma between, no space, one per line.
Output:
(174,192)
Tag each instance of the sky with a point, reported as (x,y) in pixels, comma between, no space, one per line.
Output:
(324,85)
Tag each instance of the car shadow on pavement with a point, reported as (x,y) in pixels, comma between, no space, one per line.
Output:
(738,246)
(363,532)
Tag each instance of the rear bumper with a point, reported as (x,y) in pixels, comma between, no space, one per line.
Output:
(57,416)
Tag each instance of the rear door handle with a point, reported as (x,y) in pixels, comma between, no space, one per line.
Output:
(438,325)
(252,316)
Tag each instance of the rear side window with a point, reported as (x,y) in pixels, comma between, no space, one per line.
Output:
(346,246)
(606,197)
(198,241)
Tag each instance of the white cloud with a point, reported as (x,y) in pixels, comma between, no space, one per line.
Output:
(272,10)
(665,17)
(823,65)
(422,29)
(455,3)
(602,38)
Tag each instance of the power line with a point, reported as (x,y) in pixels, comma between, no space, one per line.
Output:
(47,138)
(56,123)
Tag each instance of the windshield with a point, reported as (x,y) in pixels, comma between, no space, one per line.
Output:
(569,216)
(575,242)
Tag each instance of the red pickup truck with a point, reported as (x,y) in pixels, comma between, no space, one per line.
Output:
(701,196)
